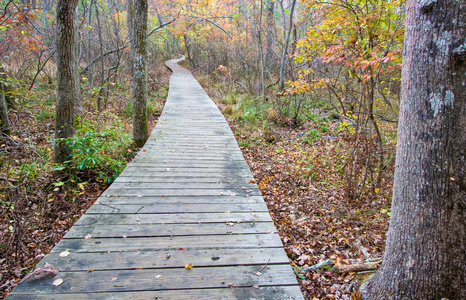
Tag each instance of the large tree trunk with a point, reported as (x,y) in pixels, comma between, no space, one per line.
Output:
(425,250)
(66,79)
(139,58)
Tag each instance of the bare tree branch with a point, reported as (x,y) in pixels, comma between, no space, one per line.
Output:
(98,58)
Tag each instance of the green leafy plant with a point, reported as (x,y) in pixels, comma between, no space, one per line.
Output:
(96,153)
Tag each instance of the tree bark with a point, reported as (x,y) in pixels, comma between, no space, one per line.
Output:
(281,84)
(425,249)
(4,120)
(139,59)
(78,104)
(66,79)
(269,37)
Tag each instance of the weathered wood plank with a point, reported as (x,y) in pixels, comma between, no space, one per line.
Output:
(163,259)
(176,208)
(172,179)
(184,185)
(169,230)
(177,200)
(176,242)
(147,279)
(266,293)
(135,192)
(185,218)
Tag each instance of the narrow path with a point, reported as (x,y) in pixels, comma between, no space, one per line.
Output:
(187,199)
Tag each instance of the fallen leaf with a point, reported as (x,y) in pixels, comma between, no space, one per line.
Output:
(188,266)
(182,249)
(57,282)
(87,237)
(258,274)
(158,276)
(256,286)
(64,253)
(48,268)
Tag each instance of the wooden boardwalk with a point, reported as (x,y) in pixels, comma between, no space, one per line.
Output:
(187,199)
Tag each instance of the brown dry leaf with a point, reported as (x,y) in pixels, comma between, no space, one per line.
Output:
(48,268)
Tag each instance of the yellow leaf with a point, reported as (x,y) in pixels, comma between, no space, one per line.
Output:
(376,190)
(188,266)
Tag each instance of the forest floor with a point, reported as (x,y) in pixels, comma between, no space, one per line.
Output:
(299,174)
(299,169)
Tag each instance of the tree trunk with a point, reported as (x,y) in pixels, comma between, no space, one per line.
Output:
(66,79)
(102,61)
(4,120)
(78,104)
(269,38)
(159,18)
(139,58)
(281,84)
(425,249)
(129,25)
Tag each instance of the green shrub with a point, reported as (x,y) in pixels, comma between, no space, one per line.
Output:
(97,153)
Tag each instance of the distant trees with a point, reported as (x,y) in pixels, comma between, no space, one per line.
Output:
(66,79)
(425,249)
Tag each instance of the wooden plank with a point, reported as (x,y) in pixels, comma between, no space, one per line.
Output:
(184,218)
(282,292)
(176,242)
(170,171)
(127,177)
(169,230)
(176,208)
(180,192)
(170,279)
(177,200)
(225,164)
(175,258)
(183,185)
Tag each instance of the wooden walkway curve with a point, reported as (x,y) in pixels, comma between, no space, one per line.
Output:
(187,199)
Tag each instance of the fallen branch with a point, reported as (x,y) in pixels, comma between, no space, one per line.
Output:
(357,267)
(8,179)
(236,81)
(258,273)
(320,265)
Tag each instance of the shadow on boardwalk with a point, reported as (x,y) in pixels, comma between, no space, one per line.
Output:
(184,220)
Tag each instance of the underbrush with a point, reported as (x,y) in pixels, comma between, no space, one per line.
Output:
(39,200)
(301,164)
